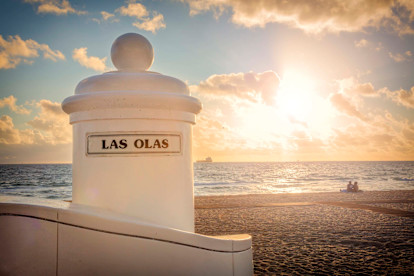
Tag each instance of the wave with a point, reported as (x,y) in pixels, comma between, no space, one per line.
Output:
(403,179)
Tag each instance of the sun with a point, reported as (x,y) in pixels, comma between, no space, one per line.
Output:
(301,103)
(295,96)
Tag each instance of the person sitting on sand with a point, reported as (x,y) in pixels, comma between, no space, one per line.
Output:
(349,187)
(355,188)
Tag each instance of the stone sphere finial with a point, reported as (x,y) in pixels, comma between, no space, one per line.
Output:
(132,52)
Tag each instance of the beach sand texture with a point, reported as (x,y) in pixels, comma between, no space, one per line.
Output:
(369,233)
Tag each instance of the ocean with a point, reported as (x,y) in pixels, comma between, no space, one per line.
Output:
(54,181)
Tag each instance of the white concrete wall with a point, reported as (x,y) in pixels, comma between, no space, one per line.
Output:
(72,239)
(28,246)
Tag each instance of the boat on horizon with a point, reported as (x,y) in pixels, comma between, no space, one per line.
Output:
(207,160)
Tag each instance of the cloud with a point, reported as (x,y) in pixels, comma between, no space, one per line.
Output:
(306,145)
(376,135)
(151,25)
(10,102)
(350,94)
(210,130)
(351,86)
(312,16)
(362,141)
(365,89)
(239,123)
(134,10)
(253,87)
(47,138)
(345,106)
(350,90)
(402,97)
(50,126)
(15,50)
(7,132)
(401,57)
(55,7)
(95,63)
(11,135)
(106,16)
(214,137)
(140,12)
(385,138)
(361,43)
(52,122)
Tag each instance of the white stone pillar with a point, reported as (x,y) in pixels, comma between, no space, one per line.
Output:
(132,133)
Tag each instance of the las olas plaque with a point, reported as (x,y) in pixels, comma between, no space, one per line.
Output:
(104,144)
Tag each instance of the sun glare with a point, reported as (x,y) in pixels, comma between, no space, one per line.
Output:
(295,96)
(298,106)
(299,102)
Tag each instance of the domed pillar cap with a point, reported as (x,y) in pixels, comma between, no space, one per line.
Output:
(132,52)
(131,86)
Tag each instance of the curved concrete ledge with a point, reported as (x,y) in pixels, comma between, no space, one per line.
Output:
(132,113)
(131,99)
(76,237)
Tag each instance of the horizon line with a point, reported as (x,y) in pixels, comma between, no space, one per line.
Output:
(297,161)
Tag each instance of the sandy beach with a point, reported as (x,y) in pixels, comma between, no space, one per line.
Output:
(368,233)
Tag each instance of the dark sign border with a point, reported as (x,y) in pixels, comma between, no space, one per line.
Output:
(88,135)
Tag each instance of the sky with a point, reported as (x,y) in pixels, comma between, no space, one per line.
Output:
(322,80)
